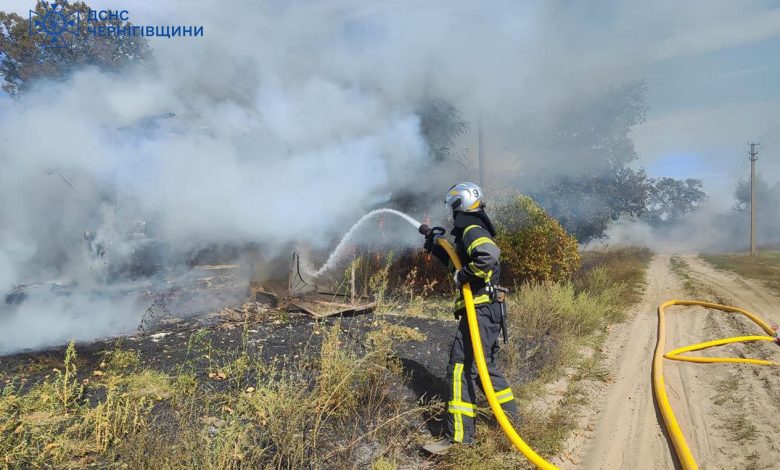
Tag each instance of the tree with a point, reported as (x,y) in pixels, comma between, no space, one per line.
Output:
(670,200)
(583,178)
(765,194)
(586,205)
(25,58)
(441,123)
(767,212)
(534,246)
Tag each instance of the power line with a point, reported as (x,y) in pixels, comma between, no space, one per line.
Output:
(737,172)
(737,167)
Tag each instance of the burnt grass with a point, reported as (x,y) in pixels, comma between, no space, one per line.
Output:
(213,360)
(281,338)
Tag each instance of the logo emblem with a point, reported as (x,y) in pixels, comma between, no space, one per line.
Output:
(55,23)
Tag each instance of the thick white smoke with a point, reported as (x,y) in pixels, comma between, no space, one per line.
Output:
(292,119)
(702,230)
(266,147)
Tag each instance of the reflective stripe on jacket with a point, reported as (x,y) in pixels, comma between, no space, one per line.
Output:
(480,257)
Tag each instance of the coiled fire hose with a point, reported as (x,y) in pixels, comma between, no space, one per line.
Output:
(484,376)
(659,388)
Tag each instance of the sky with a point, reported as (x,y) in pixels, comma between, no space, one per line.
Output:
(711,70)
(706,106)
(295,118)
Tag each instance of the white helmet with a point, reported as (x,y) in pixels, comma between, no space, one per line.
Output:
(464,197)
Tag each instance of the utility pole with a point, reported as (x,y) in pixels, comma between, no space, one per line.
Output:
(481,155)
(753,157)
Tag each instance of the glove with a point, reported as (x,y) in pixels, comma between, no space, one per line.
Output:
(456,280)
(429,243)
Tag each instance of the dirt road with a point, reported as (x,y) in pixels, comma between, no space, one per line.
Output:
(728,413)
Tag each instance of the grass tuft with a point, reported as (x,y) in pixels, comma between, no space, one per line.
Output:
(558,320)
(341,406)
(764,267)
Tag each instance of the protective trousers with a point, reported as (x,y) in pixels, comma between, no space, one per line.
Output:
(462,374)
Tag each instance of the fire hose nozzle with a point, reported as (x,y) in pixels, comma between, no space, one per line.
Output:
(432,231)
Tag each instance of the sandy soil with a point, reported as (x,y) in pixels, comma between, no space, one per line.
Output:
(727,412)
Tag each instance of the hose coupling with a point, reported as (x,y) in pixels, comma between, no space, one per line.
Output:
(431,231)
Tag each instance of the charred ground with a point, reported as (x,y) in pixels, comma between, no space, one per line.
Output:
(257,387)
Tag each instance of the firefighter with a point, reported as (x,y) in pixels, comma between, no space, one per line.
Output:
(473,232)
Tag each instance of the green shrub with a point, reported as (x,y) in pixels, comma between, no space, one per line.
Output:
(534,246)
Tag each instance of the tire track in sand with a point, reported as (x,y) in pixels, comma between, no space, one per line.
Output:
(626,432)
(726,411)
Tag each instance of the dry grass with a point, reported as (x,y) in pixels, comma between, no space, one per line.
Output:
(698,289)
(383,330)
(569,313)
(334,410)
(625,265)
(126,408)
(561,318)
(544,431)
(408,290)
(765,266)
(338,408)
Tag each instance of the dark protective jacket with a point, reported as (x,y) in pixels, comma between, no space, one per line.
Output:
(479,254)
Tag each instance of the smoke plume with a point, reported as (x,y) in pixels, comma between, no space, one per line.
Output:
(284,124)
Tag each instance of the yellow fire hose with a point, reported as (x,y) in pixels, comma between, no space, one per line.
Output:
(484,376)
(680,445)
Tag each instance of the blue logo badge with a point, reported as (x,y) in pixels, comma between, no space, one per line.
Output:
(56,23)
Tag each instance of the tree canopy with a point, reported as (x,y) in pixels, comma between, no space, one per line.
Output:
(765,194)
(25,58)
(441,123)
(590,182)
(586,205)
(670,200)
